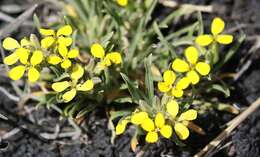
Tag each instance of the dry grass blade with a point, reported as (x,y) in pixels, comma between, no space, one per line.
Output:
(224,134)
(173,4)
(16,23)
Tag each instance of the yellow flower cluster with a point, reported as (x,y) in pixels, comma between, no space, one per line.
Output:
(106,60)
(28,56)
(58,43)
(192,68)
(162,122)
(57,49)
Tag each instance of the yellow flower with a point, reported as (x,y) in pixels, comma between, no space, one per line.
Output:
(20,51)
(122,3)
(33,74)
(180,128)
(158,125)
(169,78)
(77,73)
(60,38)
(217,26)
(193,67)
(65,57)
(105,60)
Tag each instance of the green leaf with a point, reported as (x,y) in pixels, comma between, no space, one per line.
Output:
(222,89)
(149,79)
(36,21)
(149,12)
(106,38)
(163,40)
(121,113)
(136,40)
(135,93)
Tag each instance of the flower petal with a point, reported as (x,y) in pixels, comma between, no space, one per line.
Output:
(159,120)
(114,57)
(36,58)
(77,72)
(193,76)
(97,51)
(166,131)
(63,51)
(169,77)
(179,65)
(172,108)
(177,92)
(138,118)
(122,3)
(217,26)
(60,86)
(17,72)
(120,127)
(68,96)
(23,55)
(188,115)
(86,86)
(203,68)
(73,53)
(191,54)
(183,83)
(11,59)
(25,42)
(224,39)
(65,30)
(164,87)
(204,40)
(151,137)
(54,59)
(66,41)
(10,43)
(33,74)
(182,131)
(66,64)
(47,42)
(46,32)
(148,124)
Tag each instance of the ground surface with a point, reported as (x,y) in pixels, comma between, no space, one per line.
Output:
(21,134)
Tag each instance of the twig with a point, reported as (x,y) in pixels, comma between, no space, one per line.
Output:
(11,133)
(224,134)
(173,4)
(9,95)
(17,22)
(142,151)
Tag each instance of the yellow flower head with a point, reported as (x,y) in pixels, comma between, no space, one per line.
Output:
(20,51)
(181,130)
(60,38)
(217,27)
(192,68)
(63,57)
(107,60)
(74,86)
(122,3)
(33,74)
(158,125)
(168,79)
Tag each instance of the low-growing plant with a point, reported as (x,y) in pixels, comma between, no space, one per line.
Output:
(104,48)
